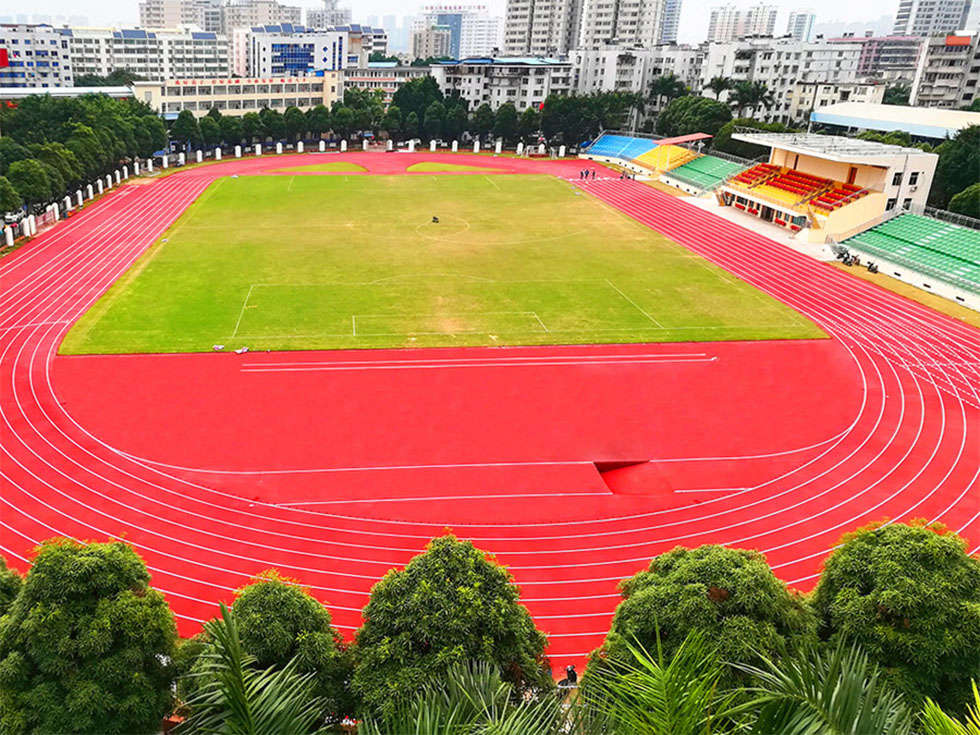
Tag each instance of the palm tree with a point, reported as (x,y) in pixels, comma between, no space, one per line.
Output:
(235,697)
(835,691)
(937,722)
(719,85)
(668,87)
(750,95)
(472,698)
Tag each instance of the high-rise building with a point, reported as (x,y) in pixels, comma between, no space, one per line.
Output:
(670,21)
(473,31)
(203,14)
(800,24)
(37,56)
(724,24)
(327,16)
(888,58)
(948,73)
(627,22)
(294,51)
(541,27)
(759,20)
(432,42)
(156,54)
(930,17)
(249,13)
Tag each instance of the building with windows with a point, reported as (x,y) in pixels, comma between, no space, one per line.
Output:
(362,41)
(293,51)
(759,20)
(885,57)
(525,82)
(671,21)
(250,13)
(473,31)
(632,69)
(800,24)
(156,55)
(202,14)
(238,96)
(385,76)
(930,17)
(432,42)
(948,72)
(805,97)
(328,16)
(730,23)
(623,23)
(35,56)
(541,27)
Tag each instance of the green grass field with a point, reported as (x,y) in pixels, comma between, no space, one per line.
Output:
(280,262)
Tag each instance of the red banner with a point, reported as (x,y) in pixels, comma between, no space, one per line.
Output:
(4,60)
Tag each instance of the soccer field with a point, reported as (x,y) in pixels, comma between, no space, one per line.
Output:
(309,262)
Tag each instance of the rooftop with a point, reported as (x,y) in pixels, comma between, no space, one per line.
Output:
(506,61)
(925,122)
(835,147)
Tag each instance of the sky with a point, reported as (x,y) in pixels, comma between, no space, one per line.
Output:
(693,26)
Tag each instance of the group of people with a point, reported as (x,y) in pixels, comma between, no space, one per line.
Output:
(626,175)
(584,173)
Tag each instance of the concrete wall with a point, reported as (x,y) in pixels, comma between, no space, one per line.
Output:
(848,220)
(921,280)
(867,177)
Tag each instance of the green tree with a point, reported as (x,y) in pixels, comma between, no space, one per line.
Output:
(231,129)
(693,115)
(235,696)
(505,122)
(529,123)
(456,119)
(719,85)
(937,722)
(435,117)
(967,201)
(11,151)
(412,125)
(31,182)
(251,126)
(910,595)
(750,95)
(10,201)
(343,121)
(318,120)
(186,129)
(416,96)
(215,114)
(450,604)
(10,580)
(210,131)
(152,135)
(377,56)
(56,181)
(115,78)
(723,138)
(483,119)
(897,95)
(392,121)
(296,123)
(730,595)
(958,166)
(86,646)
(273,126)
(665,88)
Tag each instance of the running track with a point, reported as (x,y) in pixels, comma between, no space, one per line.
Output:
(908,447)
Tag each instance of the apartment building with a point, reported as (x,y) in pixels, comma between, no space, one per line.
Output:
(156,55)
(627,22)
(288,50)
(473,30)
(432,42)
(889,58)
(780,64)
(930,17)
(328,16)
(238,96)
(805,97)
(670,21)
(625,69)
(730,23)
(542,27)
(384,76)
(799,25)
(525,82)
(202,14)
(948,73)
(362,41)
(759,20)
(37,56)
(251,13)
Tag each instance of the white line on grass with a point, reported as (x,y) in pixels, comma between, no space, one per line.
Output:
(540,322)
(635,305)
(242,312)
(495,184)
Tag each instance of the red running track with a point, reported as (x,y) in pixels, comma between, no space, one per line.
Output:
(193,460)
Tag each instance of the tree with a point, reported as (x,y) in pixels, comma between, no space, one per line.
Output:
(115,78)
(154,135)
(937,722)
(897,95)
(11,151)
(273,126)
(56,181)
(910,595)
(186,129)
(231,129)
(412,125)
(505,122)
(693,115)
(667,87)
(10,201)
(318,120)
(967,201)
(343,121)
(30,180)
(958,166)
(295,122)
(435,116)
(236,697)
(379,56)
(251,126)
(730,595)
(483,119)
(10,580)
(751,95)
(450,604)
(87,644)
(210,131)
(456,119)
(529,123)
(416,96)
(392,121)
(719,85)
(723,138)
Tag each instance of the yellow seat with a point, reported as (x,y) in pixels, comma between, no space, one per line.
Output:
(665,157)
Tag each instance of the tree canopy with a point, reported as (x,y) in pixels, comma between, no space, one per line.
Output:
(723,138)
(958,166)
(10,580)
(10,201)
(910,595)
(967,201)
(86,646)
(692,114)
(450,604)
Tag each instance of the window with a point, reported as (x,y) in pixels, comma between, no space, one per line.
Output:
(913,178)
(890,205)
(906,204)
(897,179)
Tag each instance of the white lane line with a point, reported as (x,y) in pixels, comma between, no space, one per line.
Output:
(489,361)
(242,312)
(635,305)
(554,363)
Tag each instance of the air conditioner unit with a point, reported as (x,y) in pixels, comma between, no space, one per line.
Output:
(913,188)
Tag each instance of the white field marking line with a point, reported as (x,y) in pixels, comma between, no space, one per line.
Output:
(460,366)
(635,305)
(713,490)
(495,184)
(289,187)
(353,325)
(540,322)
(242,312)
(487,360)
(423,498)
(34,324)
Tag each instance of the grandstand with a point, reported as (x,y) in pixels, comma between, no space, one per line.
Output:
(703,172)
(620,146)
(930,248)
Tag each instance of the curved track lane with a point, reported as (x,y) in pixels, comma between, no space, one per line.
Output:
(911,451)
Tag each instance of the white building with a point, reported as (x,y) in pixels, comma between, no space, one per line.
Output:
(948,72)
(541,27)
(671,21)
(432,42)
(384,76)
(202,14)
(521,81)
(250,13)
(155,55)
(37,56)
(293,51)
(328,16)
(627,22)
(473,30)
(625,69)
(780,64)
(800,24)
(724,24)
(362,41)
(929,17)
(886,57)
(805,97)
(759,20)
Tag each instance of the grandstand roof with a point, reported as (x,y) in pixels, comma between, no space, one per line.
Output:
(833,147)
(925,122)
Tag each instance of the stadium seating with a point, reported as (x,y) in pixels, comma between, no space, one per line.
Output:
(837,197)
(947,251)
(756,175)
(620,146)
(665,157)
(705,172)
